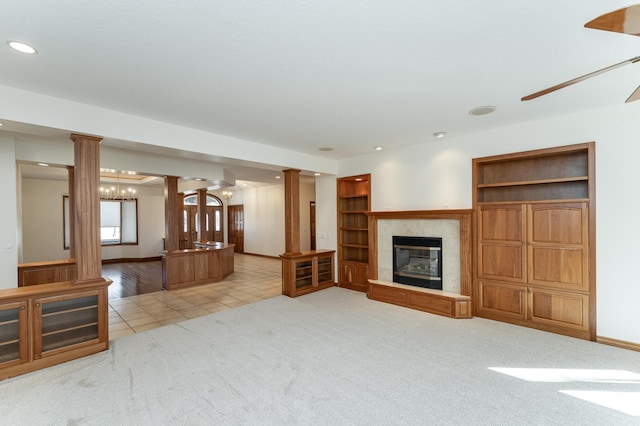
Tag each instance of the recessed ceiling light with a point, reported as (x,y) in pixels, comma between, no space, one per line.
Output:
(317,174)
(440,135)
(22,47)
(199,179)
(377,148)
(325,149)
(277,177)
(482,110)
(43,164)
(1,124)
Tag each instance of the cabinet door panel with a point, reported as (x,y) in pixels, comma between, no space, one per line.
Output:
(501,251)
(563,223)
(557,267)
(558,249)
(361,274)
(501,223)
(559,308)
(503,299)
(502,261)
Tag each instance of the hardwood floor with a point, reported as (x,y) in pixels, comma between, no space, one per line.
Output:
(131,279)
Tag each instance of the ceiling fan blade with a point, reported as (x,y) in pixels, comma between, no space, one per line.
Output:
(579,79)
(625,20)
(634,96)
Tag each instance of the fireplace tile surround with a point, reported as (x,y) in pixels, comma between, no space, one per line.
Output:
(453,226)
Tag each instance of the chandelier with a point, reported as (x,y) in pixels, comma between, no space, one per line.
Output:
(227,194)
(115,193)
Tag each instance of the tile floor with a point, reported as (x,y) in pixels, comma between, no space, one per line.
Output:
(255,278)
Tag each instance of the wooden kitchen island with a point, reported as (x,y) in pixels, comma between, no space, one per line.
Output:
(210,262)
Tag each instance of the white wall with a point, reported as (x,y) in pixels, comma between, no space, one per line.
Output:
(42,227)
(8,214)
(263,219)
(434,174)
(326,214)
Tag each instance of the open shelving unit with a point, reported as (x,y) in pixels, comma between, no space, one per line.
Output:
(354,201)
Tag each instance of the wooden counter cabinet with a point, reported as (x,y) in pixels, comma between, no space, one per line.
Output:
(307,272)
(47,324)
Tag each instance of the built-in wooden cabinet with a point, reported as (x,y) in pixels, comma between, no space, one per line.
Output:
(43,325)
(307,272)
(354,201)
(535,236)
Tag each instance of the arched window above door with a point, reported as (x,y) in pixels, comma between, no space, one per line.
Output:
(192,200)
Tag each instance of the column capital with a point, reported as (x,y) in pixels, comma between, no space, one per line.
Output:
(76,137)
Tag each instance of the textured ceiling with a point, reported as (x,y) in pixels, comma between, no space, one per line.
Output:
(308,74)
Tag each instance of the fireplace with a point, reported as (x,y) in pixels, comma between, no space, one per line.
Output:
(418,261)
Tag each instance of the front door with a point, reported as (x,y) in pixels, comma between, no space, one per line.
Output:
(235,216)
(189,227)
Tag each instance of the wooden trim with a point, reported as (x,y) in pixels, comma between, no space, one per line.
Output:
(591,206)
(309,253)
(618,343)
(421,214)
(15,294)
(543,152)
(464,216)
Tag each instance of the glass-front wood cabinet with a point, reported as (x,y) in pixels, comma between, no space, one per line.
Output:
(307,272)
(63,322)
(13,333)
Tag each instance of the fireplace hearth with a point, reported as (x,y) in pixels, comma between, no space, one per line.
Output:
(417,261)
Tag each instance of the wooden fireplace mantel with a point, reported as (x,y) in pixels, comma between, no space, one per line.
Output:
(465,219)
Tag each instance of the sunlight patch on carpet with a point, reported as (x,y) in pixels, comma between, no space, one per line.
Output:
(624,402)
(560,375)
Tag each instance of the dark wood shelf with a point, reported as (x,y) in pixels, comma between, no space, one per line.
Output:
(534,182)
(362,246)
(354,196)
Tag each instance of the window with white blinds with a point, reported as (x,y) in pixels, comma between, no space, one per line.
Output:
(118,222)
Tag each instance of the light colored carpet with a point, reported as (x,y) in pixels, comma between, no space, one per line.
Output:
(334,357)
